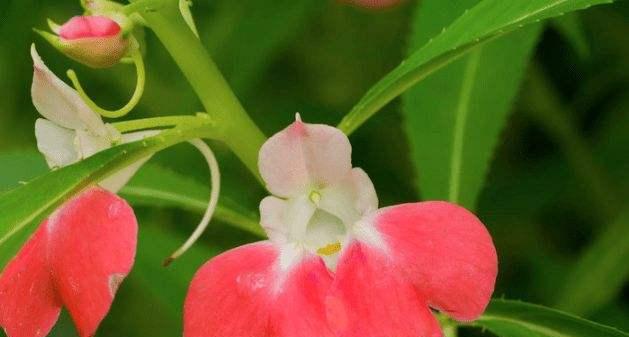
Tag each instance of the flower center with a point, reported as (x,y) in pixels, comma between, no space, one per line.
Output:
(330,249)
(324,234)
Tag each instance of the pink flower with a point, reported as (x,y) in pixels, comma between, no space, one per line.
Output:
(96,41)
(76,259)
(335,264)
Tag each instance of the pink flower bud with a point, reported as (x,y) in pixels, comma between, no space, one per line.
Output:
(96,41)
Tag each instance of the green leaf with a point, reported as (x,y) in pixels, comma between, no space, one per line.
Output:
(486,21)
(157,186)
(454,117)
(517,319)
(19,167)
(25,207)
(601,272)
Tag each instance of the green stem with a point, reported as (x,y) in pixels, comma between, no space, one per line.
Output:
(239,132)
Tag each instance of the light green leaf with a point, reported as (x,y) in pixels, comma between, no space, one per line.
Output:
(517,319)
(454,117)
(601,272)
(24,207)
(156,186)
(486,21)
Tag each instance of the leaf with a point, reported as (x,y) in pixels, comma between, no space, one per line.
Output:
(517,319)
(25,207)
(20,167)
(601,272)
(454,117)
(571,28)
(484,22)
(154,185)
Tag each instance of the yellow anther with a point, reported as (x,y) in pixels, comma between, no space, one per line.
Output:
(330,249)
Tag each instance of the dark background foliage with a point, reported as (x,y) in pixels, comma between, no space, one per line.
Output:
(558,180)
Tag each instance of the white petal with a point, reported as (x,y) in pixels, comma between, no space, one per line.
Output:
(59,103)
(350,199)
(55,143)
(87,144)
(304,156)
(286,220)
(115,182)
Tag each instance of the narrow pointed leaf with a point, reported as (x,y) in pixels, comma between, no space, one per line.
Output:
(482,23)
(518,319)
(454,118)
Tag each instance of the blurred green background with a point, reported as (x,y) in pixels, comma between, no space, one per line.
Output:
(558,180)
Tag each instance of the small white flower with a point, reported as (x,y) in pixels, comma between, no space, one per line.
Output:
(70,131)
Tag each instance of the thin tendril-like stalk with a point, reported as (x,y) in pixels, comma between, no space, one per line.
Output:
(216,181)
(136,56)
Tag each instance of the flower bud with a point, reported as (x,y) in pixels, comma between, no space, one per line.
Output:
(96,41)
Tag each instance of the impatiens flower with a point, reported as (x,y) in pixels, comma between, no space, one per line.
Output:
(76,259)
(70,131)
(335,265)
(96,41)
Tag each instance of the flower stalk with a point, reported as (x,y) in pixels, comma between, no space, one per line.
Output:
(239,132)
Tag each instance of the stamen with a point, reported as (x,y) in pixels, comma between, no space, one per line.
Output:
(330,249)
(216,181)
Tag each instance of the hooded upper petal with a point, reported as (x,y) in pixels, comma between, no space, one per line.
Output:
(59,103)
(304,156)
(29,306)
(245,292)
(371,297)
(445,251)
(77,259)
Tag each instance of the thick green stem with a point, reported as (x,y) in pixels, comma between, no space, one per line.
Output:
(239,132)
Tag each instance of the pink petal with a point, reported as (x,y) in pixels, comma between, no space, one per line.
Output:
(370,297)
(243,292)
(92,241)
(304,156)
(28,304)
(447,253)
(89,26)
